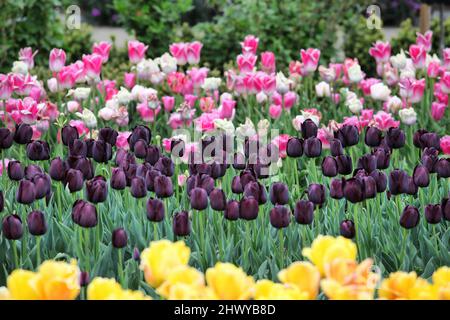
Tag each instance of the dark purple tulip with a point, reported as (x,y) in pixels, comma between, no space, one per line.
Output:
(74,180)
(155,210)
(163,186)
(370,187)
(96,189)
(101,151)
(15,170)
(86,167)
(421,176)
(410,217)
(140,149)
(416,138)
(246,176)
(236,186)
(6,138)
(217,199)
(430,140)
(23,133)
(42,185)
(199,199)
(398,180)
(121,155)
(58,169)
(130,172)
(136,254)
(142,169)
(36,223)
(32,170)
(12,227)
(336,147)
(119,238)
(138,188)
(78,148)
(257,191)
(2,201)
(329,166)
(445,206)
(373,137)
(89,147)
(118,179)
(347,229)
(69,134)
(239,161)
(337,188)
(139,132)
(108,135)
(84,214)
(312,147)
(84,279)
(200,168)
(294,147)
(248,208)
(218,170)
(165,165)
(309,129)
(380,179)
(38,150)
(410,187)
(280,217)
(152,154)
(433,213)
(354,190)
(316,193)
(395,138)
(442,167)
(181,224)
(429,158)
(279,193)
(304,212)
(344,164)
(177,147)
(368,162)
(348,135)
(150,179)
(232,210)
(26,192)
(383,157)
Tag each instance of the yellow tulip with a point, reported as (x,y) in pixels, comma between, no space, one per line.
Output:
(131,295)
(325,249)
(182,291)
(398,285)
(184,274)
(161,258)
(268,290)
(441,280)
(423,290)
(102,289)
(304,276)
(21,285)
(229,282)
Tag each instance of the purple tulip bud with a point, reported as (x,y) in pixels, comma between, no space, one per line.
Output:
(69,134)
(429,158)
(140,149)
(130,172)
(398,180)
(74,180)
(139,133)
(108,135)
(84,214)
(96,189)
(155,210)
(78,148)
(181,224)
(84,279)
(347,229)
(354,190)
(410,217)
(239,161)
(395,138)
(217,199)
(6,138)
(383,157)
(23,133)
(312,147)
(329,166)
(280,217)
(15,170)
(90,147)
(430,140)
(118,179)
(348,135)
(58,169)
(165,165)
(32,170)
(246,176)
(380,179)
(294,147)
(124,158)
(316,193)
(136,254)
(232,210)
(410,187)
(26,192)
(344,164)
(416,138)
(304,212)
(337,189)
(373,137)
(248,208)
(336,147)
(309,129)
(142,169)
(12,227)
(138,187)
(199,199)
(150,179)
(119,238)
(236,186)
(36,223)
(370,187)
(368,162)
(442,168)
(279,193)
(433,213)
(38,150)
(421,176)
(218,170)
(163,186)
(257,191)
(101,151)
(153,154)
(42,185)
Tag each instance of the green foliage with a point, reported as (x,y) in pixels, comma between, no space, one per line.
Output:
(77,42)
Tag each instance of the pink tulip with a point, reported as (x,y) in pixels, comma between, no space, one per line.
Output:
(418,56)
(268,61)
(433,69)
(147,114)
(57,59)
(6,87)
(250,44)
(102,49)
(175,120)
(226,110)
(73,106)
(275,111)
(129,79)
(198,76)
(168,103)
(205,123)
(177,82)
(446,55)
(281,142)
(445,144)
(365,85)
(136,51)
(181,179)
(338,69)
(438,110)
(384,121)
(310,59)
(411,89)
(440,96)
(27,55)
(424,40)
(445,83)
(290,98)
(324,136)
(246,62)
(179,52)
(381,51)
(252,83)
(92,65)
(206,104)
(269,84)
(122,139)
(296,69)
(81,127)
(190,100)
(79,71)
(193,52)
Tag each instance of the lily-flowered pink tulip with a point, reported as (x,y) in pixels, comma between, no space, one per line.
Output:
(246,62)
(190,99)
(418,56)
(250,44)
(129,79)
(102,49)
(147,114)
(193,51)
(433,69)
(268,62)
(445,144)
(66,78)
(27,55)
(57,59)
(92,65)
(198,76)
(424,40)
(168,103)
(136,51)
(122,140)
(281,142)
(310,59)
(6,88)
(381,51)
(269,84)
(411,89)
(384,121)
(445,83)
(179,52)
(440,96)
(205,123)
(438,110)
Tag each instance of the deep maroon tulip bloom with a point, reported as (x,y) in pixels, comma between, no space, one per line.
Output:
(336,147)
(177,147)
(119,238)
(26,192)
(279,193)
(86,167)
(2,201)
(280,217)
(410,187)
(236,186)
(165,165)
(368,162)
(370,187)
(42,185)
(232,210)
(38,150)
(445,207)
(239,161)
(121,155)
(329,166)
(153,154)
(380,179)
(74,180)
(101,151)
(36,223)
(294,147)
(118,179)
(373,137)
(410,217)
(383,157)
(416,138)
(32,170)
(150,179)
(354,190)
(395,138)
(96,189)
(163,186)
(12,227)
(84,214)
(136,254)
(23,133)
(78,148)
(316,193)
(6,138)
(108,135)
(130,172)
(248,208)
(442,168)
(430,140)
(181,224)
(247,176)
(142,169)
(138,188)
(312,147)
(344,164)
(218,170)
(429,158)
(69,134)
(58,169)
(155,210)
(398,180)
(84,278)
(304,212)
(421,176)
(138,133)
(337,188)
(89,147)
(199,199)
(347,229)
(309,129)
(15,170)
(348,135)
(140,149)
(217,199)
(433,213)
(257,191)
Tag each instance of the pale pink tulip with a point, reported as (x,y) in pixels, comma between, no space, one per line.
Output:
(179,52)
(129,79)
(418,56)
(57,59)
(147,114)
(424,40)
(27,55)
(310,59)
(6,87)
(445,83)
(122,139)
(246,62)
(290,98)
(384,121)
(433,69)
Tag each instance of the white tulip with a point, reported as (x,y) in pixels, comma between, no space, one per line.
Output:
(408,116)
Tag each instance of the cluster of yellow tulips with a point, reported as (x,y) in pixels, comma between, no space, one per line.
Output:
(333,269)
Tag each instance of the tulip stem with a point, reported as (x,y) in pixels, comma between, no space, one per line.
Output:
(16,257)
(38,251)
(281,244)
(120,267)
